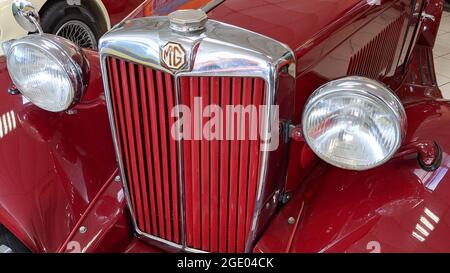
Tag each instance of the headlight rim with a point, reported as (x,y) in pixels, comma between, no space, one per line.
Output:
(67,55)
(378,95)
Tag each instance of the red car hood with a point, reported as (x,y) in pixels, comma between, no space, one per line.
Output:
(294,23)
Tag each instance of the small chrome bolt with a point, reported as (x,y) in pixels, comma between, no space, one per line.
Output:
(83,229)
(13,90)
(71,112)
(285,198)
(118,178)
(291,220)
(267,205)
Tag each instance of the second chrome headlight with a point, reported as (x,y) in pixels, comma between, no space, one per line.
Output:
(48,70)
(354,123)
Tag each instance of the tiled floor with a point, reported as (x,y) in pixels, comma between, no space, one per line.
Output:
(442,56)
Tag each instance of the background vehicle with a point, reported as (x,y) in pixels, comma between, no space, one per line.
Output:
(81,21)
(75,196)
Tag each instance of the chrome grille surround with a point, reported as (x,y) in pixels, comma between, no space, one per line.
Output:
(221,50)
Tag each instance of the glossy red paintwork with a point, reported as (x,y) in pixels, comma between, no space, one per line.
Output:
(344,211)
(58,169)
(105,218)
(119,9)
(53,163)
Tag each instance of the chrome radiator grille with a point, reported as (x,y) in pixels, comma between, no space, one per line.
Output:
(197,194)
(219,177)
(141,99)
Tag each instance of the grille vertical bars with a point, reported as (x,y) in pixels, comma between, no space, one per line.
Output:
(207,203)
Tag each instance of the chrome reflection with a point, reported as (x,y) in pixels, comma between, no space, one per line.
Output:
(7,123)
(432,180)
(426,225)
(5,249)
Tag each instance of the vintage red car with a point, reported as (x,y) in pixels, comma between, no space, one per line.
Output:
(229,126)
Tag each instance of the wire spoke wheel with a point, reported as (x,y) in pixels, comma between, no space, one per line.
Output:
(79,33)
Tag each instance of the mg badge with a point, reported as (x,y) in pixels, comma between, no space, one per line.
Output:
(173,56)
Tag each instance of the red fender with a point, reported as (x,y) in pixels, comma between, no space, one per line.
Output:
(397,207)
(53,164)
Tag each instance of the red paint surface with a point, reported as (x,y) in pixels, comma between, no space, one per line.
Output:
(429,28)
(119,9)
(55,165)
(346,210)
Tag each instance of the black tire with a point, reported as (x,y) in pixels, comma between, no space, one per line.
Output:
(7,239)
(58,15)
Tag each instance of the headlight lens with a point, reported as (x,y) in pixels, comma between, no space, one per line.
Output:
(48,71)
(354,123)
(40,78)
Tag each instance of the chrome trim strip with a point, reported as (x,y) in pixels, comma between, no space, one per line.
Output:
(221,50)
(159,242)
(193,250)
(259,196)
(211,5)
(5,249)
(181,189)
(116,141)
(6,45)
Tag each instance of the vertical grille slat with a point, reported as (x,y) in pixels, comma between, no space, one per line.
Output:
(173,158)
(224,169)
(255,154)
(131,145)
(154,133)
(243,163)
(219,179)
(188,182)
(205,168)
(148,152)
(214,170)
(139,147)
(195,165)
(236,95)
(162,111)
(119,120)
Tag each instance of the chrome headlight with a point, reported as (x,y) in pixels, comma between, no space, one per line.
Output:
(48,70)
(354,123)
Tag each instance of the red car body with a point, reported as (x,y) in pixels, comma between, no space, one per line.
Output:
(58,169)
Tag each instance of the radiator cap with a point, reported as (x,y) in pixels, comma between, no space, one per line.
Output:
(188,20)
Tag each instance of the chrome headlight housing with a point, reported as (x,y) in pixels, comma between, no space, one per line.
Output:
(50,71)
(354,123)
